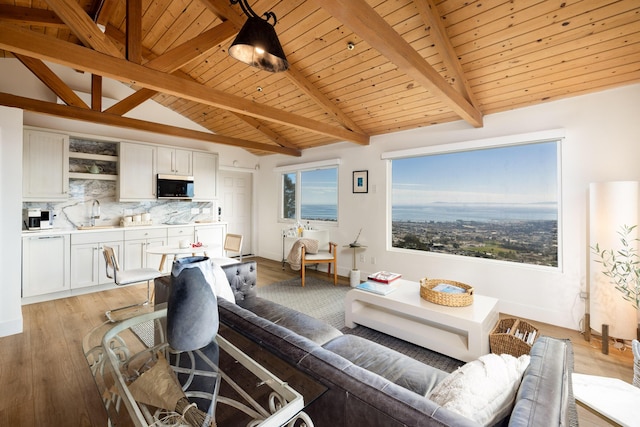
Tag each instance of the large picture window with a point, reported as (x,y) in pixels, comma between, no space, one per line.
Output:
(310,194)
(497,203)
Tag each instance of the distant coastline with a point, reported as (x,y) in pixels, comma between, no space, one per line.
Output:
(446,212)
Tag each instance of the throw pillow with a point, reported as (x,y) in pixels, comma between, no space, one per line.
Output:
(483,390)
(222,287)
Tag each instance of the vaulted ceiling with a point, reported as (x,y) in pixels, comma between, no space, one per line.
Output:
(359,68)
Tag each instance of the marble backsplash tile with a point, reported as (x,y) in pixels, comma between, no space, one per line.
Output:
(76,211)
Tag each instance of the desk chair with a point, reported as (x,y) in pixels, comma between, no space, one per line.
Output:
(327,253)
(127,277)
(233,243)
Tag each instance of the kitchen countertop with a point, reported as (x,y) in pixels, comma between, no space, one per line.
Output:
(103,228)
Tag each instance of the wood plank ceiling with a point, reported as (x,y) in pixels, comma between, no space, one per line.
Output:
(413,63)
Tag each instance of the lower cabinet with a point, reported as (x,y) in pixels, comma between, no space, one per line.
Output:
(58,264)
(136,244)
(45,264)
(212,236)
(88,267)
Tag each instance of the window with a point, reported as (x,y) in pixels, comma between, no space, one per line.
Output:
(496,203)
(310,194)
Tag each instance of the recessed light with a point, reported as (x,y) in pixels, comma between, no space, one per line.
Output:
(351,46)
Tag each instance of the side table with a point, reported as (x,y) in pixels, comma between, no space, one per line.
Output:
(354,274)
(610,398)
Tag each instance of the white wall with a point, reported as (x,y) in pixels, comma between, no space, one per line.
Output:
(602,143)
(10,220)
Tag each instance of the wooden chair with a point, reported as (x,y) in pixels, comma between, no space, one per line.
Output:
(233,243)
(327,253)
(127,277)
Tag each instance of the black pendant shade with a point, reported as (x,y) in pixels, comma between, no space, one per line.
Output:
(257,45)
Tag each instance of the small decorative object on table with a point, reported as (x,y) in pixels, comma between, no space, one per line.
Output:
(446,292)
(384,276)
(512,336)
(376,287)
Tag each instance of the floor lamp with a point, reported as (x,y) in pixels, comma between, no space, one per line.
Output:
(611,206)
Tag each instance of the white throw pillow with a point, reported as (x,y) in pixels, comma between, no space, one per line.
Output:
(222,288)
(483,390)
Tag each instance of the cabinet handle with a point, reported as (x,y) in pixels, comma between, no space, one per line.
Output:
(47,237)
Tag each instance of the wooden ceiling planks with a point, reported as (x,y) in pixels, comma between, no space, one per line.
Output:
(512,54)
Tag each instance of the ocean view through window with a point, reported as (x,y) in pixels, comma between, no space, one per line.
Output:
(495,203)
(310,195)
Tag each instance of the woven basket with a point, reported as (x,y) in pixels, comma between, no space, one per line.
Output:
(503,342)
(445,298)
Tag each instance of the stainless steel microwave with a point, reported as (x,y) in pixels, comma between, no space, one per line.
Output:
(175,187)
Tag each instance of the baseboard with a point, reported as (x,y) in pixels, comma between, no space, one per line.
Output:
(11,327)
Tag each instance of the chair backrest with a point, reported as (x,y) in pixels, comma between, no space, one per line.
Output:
(322,236)
(635,346)
(111,263)
(233,242)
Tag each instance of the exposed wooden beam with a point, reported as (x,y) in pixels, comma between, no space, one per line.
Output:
(363,20)
(75,113)
(52,81)
(96,92)
(83,27)
(130,102)
(181,55)
(319,98)
(429,13)
(28,16)
(19,40)
(134,31)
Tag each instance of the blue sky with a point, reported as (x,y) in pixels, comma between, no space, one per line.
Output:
(320,187)
(513,174)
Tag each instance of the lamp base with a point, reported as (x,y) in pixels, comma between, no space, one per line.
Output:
(354,278)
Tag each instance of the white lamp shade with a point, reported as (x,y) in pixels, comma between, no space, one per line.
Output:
(611,206)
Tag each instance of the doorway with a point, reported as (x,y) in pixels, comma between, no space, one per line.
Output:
(236,194)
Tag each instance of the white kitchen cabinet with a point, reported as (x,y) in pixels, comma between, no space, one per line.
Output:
(137,172)
(87,261)
(205,176)
(212,235)
(136,244)
(45,264)
(45,172)
(174,161)
(174,236)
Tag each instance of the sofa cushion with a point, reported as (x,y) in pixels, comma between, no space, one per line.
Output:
(390,364)
(484,389)
(309,327)
(222,288)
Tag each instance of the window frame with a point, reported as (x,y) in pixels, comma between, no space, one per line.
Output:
(298,169)
(555,135)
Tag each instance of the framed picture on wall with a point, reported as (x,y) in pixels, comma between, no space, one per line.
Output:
(360,181)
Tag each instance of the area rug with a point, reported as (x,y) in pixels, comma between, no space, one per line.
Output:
(322,300)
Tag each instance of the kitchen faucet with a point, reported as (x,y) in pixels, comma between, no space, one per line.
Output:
(95,211)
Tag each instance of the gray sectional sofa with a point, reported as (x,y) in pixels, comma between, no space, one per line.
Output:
(371,385)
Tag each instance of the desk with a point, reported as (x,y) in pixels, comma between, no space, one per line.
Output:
(175,251)
(610,398)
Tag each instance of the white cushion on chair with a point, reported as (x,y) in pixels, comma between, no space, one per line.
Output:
(320,256)
(322,236)
(136,275)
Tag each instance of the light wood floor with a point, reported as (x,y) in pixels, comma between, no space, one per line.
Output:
(45,380)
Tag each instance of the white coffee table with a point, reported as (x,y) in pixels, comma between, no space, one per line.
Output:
(458,332)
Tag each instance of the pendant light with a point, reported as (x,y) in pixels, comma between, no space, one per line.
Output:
(257,43)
